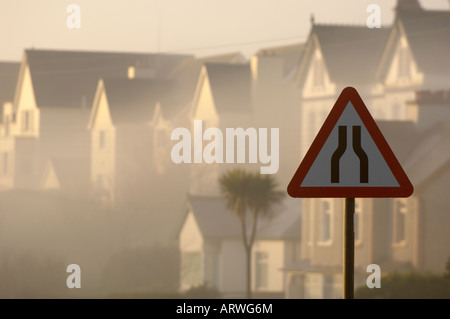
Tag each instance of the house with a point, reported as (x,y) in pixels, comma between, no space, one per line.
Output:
(130,126)
(335,56)
(424,228)
(400,61)
(9,72)
(415,56)
(52,101)
(211,249)
(257,94)
(222,99)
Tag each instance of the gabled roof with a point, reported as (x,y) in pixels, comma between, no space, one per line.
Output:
(290,54)
(73,174)
(431,154)
(351,53)
(401,137)
(133,101)
(427,32)
(69,78)
(216,221)
(428,36)
(230,86)
(187,73)
(9,72)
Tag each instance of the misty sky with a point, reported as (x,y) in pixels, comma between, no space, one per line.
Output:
(199,27)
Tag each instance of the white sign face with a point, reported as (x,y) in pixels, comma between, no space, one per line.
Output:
(348,169)
(350,157)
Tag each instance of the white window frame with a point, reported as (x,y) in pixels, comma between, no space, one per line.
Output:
(396,211)
(330,212)
(261,262)
(101,139)
(359,208)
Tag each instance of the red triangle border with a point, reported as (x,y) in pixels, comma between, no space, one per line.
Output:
(350,94)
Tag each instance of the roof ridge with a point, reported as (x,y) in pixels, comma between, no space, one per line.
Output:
(337,24)
(104,52)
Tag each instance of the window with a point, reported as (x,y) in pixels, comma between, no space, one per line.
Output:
(318,73)
(357,220)
(261,270)
(101,139)
(5,163)
(404,62)
(26,121)
(325,220)
(191,269)
(400,210)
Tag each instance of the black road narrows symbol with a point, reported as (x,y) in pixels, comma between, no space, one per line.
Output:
(342,146)
(363,160)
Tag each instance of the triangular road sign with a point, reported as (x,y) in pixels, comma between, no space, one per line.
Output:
(350,157)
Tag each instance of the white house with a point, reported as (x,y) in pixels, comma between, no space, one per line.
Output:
(212,252)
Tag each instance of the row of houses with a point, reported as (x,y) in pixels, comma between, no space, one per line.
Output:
(402,74)
(98,125)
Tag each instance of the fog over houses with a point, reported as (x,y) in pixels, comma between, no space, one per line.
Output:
(87,174)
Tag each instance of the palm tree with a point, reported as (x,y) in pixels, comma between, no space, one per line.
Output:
(249,196)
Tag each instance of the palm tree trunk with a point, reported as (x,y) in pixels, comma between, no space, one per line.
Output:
(248,255)
(248,252)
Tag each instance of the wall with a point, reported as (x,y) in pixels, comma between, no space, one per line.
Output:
(232,268)
(190,240)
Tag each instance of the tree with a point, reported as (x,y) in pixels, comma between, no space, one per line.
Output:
(249,196)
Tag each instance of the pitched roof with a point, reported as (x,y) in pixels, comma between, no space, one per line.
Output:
(230,86)
(290,55)
(428,36)
(431,154)
(133,101)
(187,73)
(73,173)
(69,78)
(351,53)
(401,137)
(216,221)
(9,72)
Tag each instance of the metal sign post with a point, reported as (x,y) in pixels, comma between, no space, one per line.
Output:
(349,249)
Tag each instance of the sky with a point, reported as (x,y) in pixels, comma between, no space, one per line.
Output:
(200,27)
